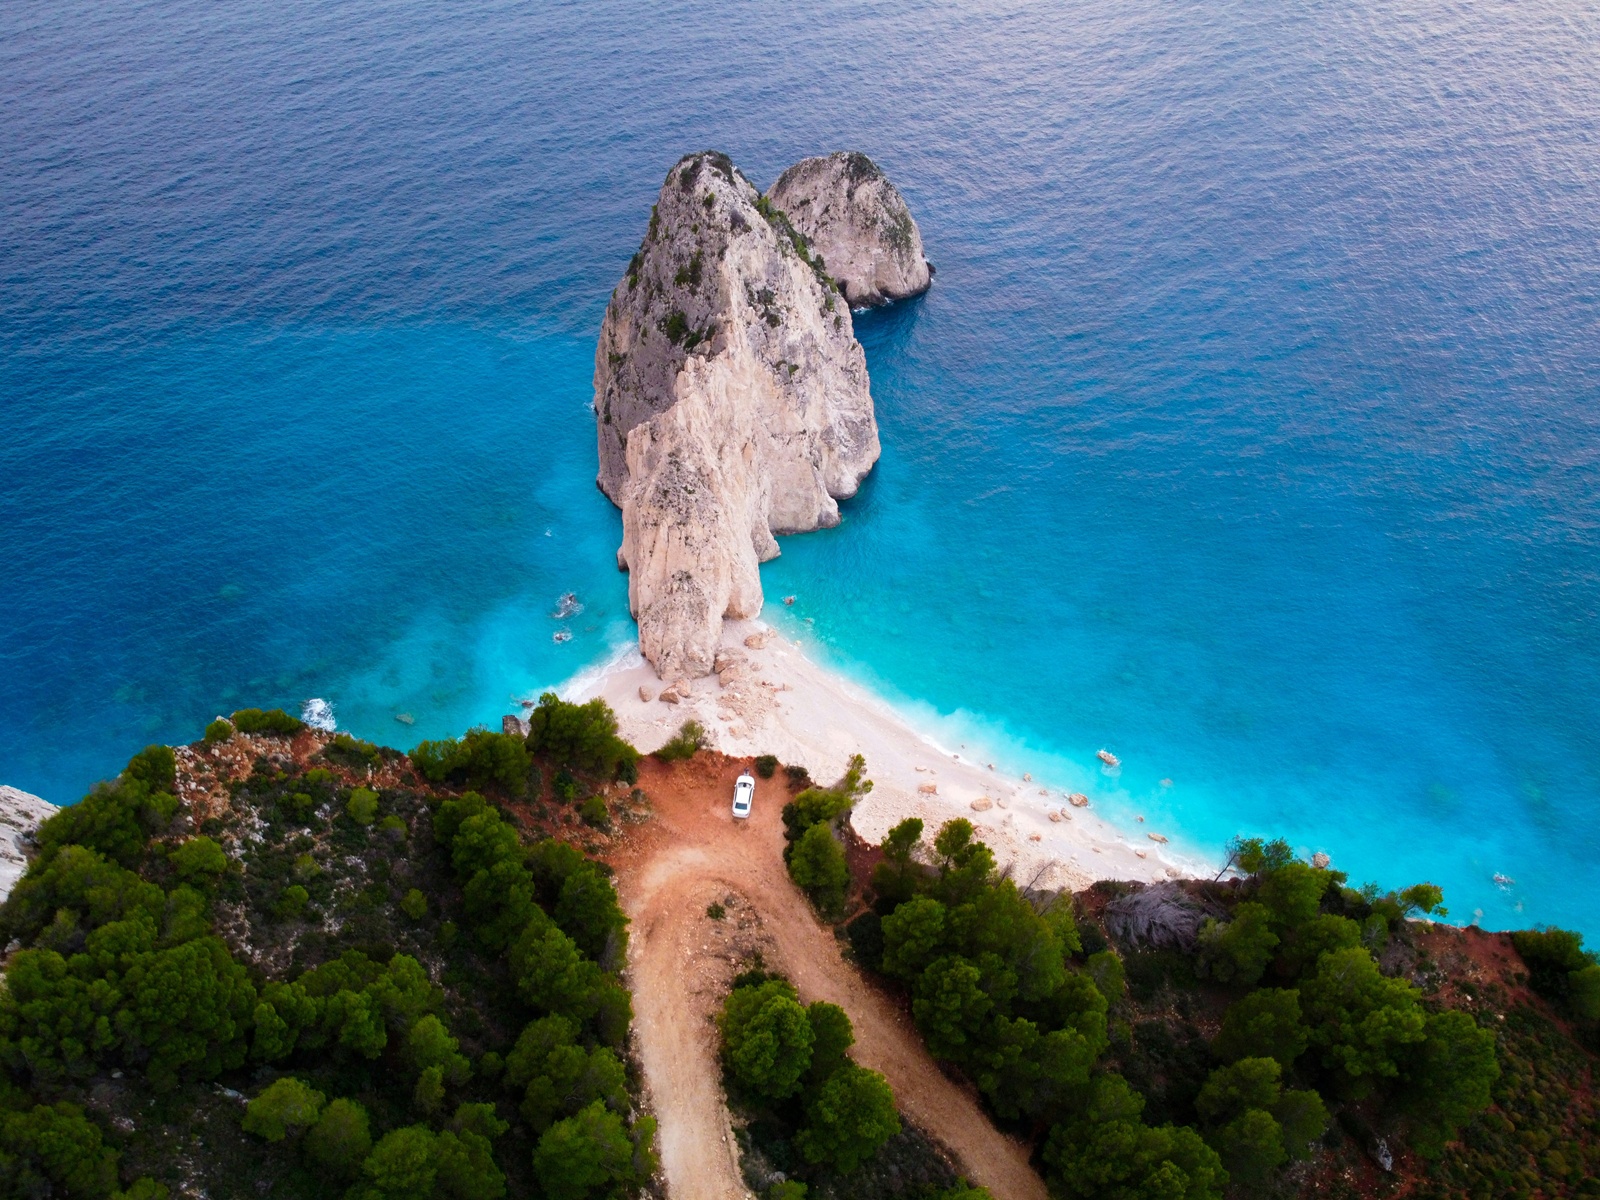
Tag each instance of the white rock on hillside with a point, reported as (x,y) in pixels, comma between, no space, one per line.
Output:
(20,815)
(857,221)
(731,404)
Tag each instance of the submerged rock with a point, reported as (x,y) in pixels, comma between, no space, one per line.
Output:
(857,221)
(731,404)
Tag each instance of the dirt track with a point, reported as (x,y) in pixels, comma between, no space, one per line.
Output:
(680,961)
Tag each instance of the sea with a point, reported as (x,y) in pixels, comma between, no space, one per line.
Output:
(1250,430)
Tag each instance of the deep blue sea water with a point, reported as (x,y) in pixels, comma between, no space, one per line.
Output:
(1252,427)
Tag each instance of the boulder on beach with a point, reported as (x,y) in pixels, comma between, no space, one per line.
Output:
(982,804)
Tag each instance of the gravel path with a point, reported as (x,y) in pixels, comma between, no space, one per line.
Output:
(669,870)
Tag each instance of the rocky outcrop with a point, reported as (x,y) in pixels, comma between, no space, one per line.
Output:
(731,403)
(1163,916)
(20,814)
(858,224)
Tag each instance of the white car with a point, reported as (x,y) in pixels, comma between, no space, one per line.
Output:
(744,791)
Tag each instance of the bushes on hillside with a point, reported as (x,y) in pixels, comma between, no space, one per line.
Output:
(793,1061)
(580,738)
(816,860)
(271,721)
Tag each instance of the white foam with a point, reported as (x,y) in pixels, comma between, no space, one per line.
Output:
(319,715)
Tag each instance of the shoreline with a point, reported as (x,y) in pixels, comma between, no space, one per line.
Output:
(771,697)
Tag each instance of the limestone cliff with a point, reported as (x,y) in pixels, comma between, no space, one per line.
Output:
(20,814)
(731,403)
(858,223)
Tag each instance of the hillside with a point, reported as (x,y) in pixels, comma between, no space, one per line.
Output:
(281,963)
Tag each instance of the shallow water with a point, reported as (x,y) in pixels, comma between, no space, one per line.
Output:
(1250,429)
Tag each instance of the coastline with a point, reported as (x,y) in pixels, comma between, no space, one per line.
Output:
(773,698)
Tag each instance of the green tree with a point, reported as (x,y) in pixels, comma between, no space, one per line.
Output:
(341,1138)
(1239,951)
(429,1045)
(587,911)
(850,1116)
(1292,893)
(404,1165)
(219,730)
(1105,968)
(197,858)
(590,1155)
(362,806)
(895,878)
(1449,1080)
(269,721)
(187,1009)
(831,1038)
(1105,1150)
(913,936)
(579,737)
(1254,1125)
(1267,1023)
(1323,933)
(951,1007)
(55,1148)
(817,865)
(414,904)
(1360,1020)
(766,1039)
(286,1107)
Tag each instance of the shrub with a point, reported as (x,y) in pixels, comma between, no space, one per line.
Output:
(351,752)
(581,737)
(286,1107)
(55,1147)
(715,911)
(766,765)
(690,738)
(219,730)
(817,865)
(340,1139)
(766,1039)
(481,759)
(272,720)
(798,776)
(197,857)
(292,903)
(851,1116)
(1560,970)
(594,813)
(362,806)
(414,905)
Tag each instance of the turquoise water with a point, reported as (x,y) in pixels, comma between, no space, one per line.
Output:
(1250,429)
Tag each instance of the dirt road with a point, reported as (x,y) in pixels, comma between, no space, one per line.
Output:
(680,961)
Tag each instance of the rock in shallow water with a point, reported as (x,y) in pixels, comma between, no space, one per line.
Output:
(731,404)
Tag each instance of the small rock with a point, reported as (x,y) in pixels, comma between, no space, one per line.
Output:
(1157,837)
(1140,820)
(756,641)
(684,688)
(668,696)
(1320,861)
(982,804)
(1166,783)
(928,789)
(789,600)
(1139,854)
(1055,816)
(1033,837)
(646,694)
(1077,800)
(1027,778)
(1044,791)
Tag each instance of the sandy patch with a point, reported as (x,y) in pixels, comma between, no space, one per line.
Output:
(770,698)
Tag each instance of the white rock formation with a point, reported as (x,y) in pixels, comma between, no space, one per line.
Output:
(20,815)
(731,403)
(857,221)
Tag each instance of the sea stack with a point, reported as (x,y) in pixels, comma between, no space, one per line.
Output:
(858,224)
(731,402)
